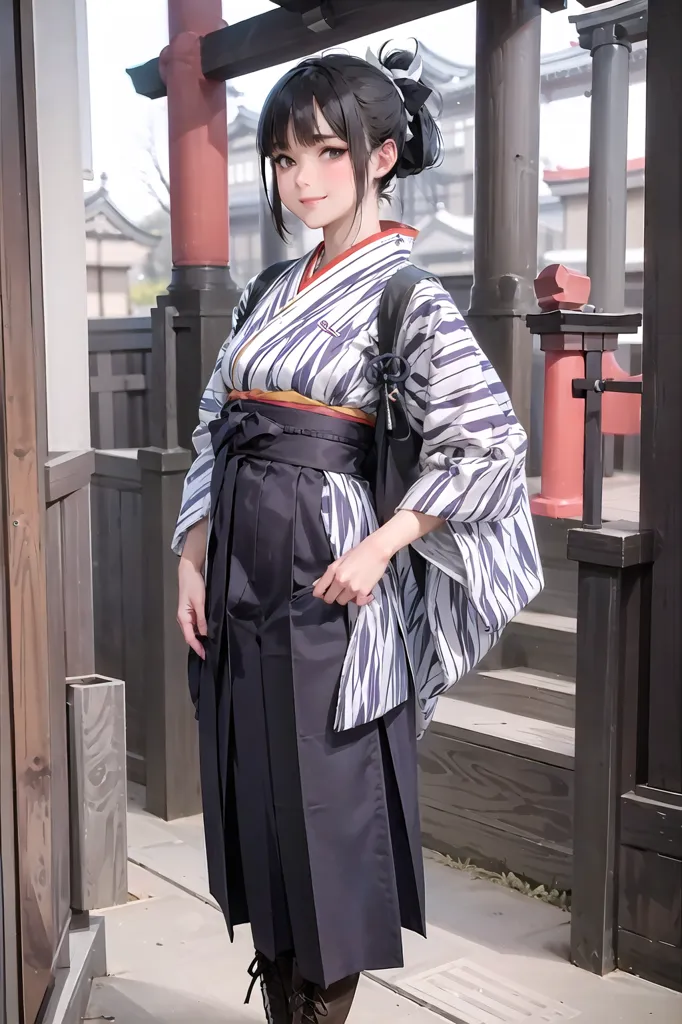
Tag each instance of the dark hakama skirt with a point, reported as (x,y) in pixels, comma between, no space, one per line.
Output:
(312,835)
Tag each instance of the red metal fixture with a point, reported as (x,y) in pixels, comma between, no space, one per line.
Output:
(566,339)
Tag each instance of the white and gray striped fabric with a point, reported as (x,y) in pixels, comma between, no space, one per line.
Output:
(483,565)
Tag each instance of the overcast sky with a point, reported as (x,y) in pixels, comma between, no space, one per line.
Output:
(130,32)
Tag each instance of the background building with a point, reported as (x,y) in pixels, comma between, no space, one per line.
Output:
(439,202)
(570,187)
(115,250)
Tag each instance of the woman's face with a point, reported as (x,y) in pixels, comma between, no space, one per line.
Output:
(316,183)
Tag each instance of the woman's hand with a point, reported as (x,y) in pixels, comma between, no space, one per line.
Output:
(354,576)
(192,589)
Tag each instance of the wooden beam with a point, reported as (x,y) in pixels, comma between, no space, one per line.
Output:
(280,36)
(68,472)
(147,79)
(283,35)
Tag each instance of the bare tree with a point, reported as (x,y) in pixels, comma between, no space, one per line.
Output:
(154,174)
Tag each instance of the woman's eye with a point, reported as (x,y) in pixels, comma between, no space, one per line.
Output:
(283,161)
(334,154)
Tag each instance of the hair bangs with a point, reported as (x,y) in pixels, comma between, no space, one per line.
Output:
(293,109)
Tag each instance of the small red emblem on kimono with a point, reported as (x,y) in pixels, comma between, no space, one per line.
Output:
(325,326)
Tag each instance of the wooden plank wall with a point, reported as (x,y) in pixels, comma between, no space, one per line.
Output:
(117,584)
(120,372)
(35,933)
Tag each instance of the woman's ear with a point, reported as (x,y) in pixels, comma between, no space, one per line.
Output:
(384,159)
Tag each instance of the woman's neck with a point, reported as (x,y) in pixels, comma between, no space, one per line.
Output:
(343,234)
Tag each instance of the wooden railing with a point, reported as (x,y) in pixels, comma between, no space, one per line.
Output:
(120,372)
(136,493)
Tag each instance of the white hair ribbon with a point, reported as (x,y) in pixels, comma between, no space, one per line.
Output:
(396,75)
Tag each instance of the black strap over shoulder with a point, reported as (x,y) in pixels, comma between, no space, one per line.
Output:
(260,287)
(397,446)
(394,303)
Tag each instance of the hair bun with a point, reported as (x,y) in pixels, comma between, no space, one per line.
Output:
(424,143)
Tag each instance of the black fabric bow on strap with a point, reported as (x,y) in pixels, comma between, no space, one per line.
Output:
(389,372)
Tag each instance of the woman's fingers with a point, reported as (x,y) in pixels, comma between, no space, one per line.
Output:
(334,591)
(202,628)
(197,646)
(320,587)
(191,606)
(187,618)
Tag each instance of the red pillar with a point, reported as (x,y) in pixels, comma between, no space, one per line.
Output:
(197,127)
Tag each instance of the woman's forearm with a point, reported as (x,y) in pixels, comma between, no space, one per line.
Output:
(404,528)
(194,550)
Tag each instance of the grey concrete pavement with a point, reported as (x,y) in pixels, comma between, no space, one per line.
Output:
(170,962)
(492,956)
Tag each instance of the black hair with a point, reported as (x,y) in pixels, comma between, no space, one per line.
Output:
(364,109)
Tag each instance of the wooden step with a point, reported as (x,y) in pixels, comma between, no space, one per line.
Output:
(539,641)
(521,691)
(497,787)
(504,730)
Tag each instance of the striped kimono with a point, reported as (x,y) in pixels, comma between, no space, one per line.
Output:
(298,362)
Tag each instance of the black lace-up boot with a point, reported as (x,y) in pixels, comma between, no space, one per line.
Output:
(276,985)
(314,1005)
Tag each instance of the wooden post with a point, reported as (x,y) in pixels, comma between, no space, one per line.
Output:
(97,766)
(613,562)
(650,935)
(188,327)
(171,740)
(661,495)
(507,181)
(27,853)
(201,290)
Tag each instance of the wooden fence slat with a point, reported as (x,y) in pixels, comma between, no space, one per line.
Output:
(105,404)
(133,636)
(120,362)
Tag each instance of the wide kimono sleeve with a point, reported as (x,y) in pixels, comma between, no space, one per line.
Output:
(482,564)
(196,495)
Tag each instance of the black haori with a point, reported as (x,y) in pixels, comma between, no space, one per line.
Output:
(312,835)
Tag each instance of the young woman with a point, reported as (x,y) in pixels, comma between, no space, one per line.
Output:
(316,654)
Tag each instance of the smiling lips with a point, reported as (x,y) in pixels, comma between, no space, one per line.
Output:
(309,202)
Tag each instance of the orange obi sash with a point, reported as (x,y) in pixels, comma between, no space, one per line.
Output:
(292,400)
